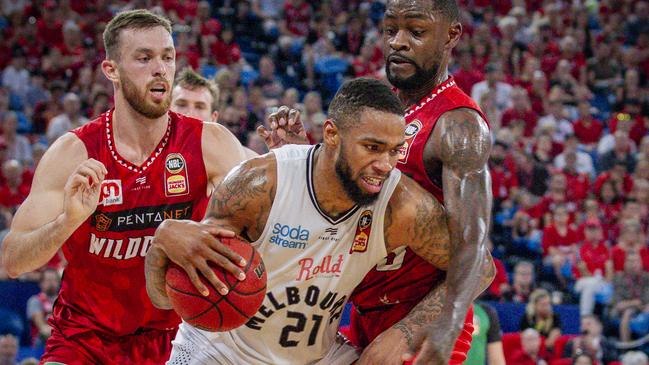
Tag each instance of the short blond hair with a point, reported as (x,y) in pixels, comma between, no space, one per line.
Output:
(192,80)
(132,19)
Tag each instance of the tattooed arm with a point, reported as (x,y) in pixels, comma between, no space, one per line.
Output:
(240,205)
(461,142)
(420,226)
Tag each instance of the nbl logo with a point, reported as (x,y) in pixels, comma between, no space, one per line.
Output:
(111,192)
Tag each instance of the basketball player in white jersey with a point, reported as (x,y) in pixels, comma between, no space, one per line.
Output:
(321,217)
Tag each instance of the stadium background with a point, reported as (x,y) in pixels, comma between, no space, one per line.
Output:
(563,83)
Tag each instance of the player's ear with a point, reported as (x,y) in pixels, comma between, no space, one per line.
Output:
(109,68)
(454,33)
(330,133)
(215,117)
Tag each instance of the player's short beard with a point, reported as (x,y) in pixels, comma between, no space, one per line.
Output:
(353,191)
(138,102)
(415,82)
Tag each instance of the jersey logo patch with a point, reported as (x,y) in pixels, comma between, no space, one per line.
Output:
(363,230)
(411,131)
(111,193)
(176,179)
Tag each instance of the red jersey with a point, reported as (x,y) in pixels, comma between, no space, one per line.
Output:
(103,286)
(394,287)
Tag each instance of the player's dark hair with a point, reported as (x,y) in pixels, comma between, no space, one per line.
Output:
(133,19)
(449,8)
(354,95)
(192,80)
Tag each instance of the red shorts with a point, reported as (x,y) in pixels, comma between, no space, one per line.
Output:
(150,347)
(364,328)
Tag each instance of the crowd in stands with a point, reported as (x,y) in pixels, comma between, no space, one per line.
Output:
(564,84)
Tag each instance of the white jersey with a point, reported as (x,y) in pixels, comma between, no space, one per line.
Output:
(313,264)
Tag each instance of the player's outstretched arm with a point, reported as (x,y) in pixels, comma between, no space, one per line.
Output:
(64,193)
(461,141)
(240,205)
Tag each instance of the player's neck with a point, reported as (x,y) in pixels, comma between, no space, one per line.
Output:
(136,136)
(329,191)
(413,96)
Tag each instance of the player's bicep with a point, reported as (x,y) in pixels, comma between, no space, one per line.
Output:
(45,200)
(465,142)
(417,220)
(242,201)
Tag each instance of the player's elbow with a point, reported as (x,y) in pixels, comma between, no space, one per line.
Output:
(9,261)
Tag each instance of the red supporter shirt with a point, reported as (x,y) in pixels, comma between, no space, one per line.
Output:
(552,238)
(465,79)
(594,255)
(618,254)
(528,116)
(578,186)
(627,184)
(12,198)
(638,130)
(502,182)
(103,288)
(297,19)
(588,133)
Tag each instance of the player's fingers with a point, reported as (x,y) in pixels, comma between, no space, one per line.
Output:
(293,117)
(427,355)
(216,231)
(193,277)
(98,164)
(226,264)
(78,182)
(208,273)
(263,132)
(224,250)
(90,174)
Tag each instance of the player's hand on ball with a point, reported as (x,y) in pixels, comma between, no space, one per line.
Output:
(431,345)
(285,128)
(191,245)
(82,191)
(386,349)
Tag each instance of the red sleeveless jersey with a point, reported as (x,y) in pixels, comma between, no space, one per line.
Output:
(103,286)
(395,286)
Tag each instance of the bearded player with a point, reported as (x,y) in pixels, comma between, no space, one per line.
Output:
(101,191)
(446,152)
(351,208)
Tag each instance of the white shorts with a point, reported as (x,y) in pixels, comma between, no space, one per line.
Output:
(195,347)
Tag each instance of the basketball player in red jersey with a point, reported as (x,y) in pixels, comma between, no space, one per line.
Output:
(448,145)
(101,191)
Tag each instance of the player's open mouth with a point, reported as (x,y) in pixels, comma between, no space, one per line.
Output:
(158,90)
(372,184)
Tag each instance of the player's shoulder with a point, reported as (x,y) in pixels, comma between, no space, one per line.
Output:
(466,117)
(69,146)
(409,195)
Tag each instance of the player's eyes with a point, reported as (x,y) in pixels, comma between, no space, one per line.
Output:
(372,147)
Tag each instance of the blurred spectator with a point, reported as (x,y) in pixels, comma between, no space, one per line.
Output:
(618,177)
(14,190)
(15,77)
(18,147)
(39,307)
(269,83)
(607,143)
(631,116)
(620,154)
(588,130)
(195,96)
(8,349)
(531,352)
(229,118)
(583,163)
(466,75)
(486,345)
(520,110)
(631,298)
(503,181)
(630,241)
(583,359)
(69,120)
(540,317)
(493,84)
(560,245)
(594,269)
(635,358)
(555,121)
(591,342)
(603,70)
(522,283)
(225,49)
